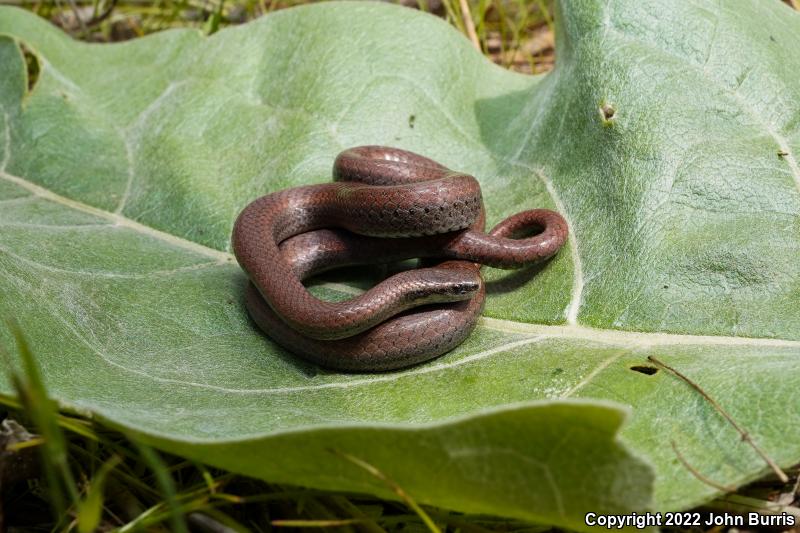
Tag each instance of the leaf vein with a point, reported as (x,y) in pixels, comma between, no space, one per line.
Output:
(6,142)
(131,173)
(591,375)
(632,338)
(105,274)
(117,219)
(578,279)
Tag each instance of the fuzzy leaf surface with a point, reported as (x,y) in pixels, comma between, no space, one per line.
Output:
(124,166)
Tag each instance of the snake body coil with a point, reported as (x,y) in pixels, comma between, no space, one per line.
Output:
(396,205)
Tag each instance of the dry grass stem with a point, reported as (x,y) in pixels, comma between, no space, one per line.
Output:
(469,24)
(745,435)
(698,475)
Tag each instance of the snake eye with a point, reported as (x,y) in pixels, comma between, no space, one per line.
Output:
(465,287)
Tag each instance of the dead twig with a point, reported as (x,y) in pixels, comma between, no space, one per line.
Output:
(745,435)
(698,475)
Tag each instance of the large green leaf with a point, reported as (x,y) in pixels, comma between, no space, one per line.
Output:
(124,167)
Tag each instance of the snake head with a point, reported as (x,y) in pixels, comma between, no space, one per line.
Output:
(441,285)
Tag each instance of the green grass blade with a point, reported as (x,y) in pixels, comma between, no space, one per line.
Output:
(165,483)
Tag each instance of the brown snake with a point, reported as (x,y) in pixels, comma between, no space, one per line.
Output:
(396,205)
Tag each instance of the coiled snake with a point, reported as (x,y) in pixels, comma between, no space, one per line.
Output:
(385,205)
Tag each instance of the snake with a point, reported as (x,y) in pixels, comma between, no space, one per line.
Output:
(384,205)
